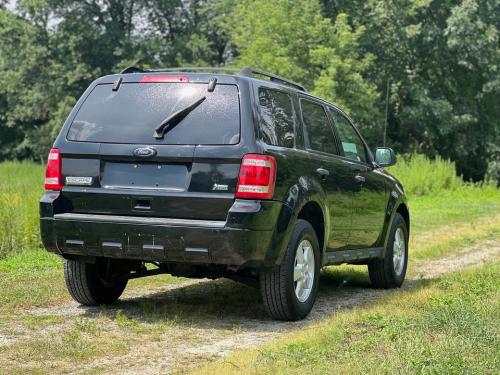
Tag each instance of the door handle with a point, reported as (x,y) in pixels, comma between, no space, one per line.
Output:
(359,179)
(323,173)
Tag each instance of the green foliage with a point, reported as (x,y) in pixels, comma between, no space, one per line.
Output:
(438,58)
(50,51)
(421,175)
(294,40)
(441,60)
(283,40)
(21,186)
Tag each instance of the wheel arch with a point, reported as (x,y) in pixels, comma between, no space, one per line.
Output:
(303,200)
(397,204)
(402,209)
(313,214)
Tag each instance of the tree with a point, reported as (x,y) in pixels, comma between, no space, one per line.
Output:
(472,36)
(296,41)
(50,50)
(441,60)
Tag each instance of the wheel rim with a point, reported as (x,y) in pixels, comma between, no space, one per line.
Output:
(398,251)
(303,272)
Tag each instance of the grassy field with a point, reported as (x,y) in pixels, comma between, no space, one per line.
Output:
(21,186)
(438,325)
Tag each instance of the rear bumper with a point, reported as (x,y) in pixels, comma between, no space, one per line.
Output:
(250,235)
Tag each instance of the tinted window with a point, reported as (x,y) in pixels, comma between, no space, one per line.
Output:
(277,118)
(131,114)
(352,144)
(318,127)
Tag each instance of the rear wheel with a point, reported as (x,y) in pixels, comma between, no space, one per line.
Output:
(92,284)
(289,291)
(390,271)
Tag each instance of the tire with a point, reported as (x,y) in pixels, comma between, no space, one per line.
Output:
(278,287)
(388,272)
(86,285)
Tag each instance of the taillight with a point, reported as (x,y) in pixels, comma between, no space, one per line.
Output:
(257,177)
(53,173)
(162,79)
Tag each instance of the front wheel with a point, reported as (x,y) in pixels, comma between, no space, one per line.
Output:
(289,291)
(390,271)
(93,284)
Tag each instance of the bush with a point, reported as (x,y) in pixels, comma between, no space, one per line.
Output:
(421,175)
(21,186)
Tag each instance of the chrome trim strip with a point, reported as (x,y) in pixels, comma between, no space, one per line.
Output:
(75,243)
(196,250)
(153,247)
(124,187)
(141,220)
(112,245)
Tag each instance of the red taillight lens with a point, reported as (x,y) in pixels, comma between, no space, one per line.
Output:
(163,79)
(53,175)
(257,177)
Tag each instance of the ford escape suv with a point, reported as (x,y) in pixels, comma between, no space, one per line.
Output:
(218,173)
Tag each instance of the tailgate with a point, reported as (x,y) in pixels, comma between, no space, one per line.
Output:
(179,182)
(115,163)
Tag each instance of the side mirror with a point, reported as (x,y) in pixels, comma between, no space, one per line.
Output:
(385,156)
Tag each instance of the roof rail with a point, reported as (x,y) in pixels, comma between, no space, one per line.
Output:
(197,69)
(250,72)
(247,72)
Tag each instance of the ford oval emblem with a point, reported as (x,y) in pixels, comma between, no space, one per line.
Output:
(145,152)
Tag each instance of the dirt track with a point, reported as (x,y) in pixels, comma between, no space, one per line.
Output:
(221,316)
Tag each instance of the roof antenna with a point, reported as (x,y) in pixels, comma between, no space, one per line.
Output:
(211,84)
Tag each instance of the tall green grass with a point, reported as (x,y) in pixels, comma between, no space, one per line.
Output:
(421,175)
(21,186)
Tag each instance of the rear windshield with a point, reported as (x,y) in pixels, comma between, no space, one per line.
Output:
(131,114)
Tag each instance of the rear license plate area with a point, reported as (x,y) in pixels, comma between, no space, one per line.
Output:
(145,176)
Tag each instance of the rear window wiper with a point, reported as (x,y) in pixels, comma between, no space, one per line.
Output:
(171,121)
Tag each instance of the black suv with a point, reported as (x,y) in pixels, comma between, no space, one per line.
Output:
(218,173)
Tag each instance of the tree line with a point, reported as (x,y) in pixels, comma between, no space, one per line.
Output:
(427,70)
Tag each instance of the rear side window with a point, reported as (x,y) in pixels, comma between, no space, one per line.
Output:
(352,144)
(131,114)
(318,127)
(277,125)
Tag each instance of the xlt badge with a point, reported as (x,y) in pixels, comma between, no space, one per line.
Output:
(218,187)
(86,181)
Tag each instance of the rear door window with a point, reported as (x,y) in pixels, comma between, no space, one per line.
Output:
(131,114)
(318,127)
(277,125)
